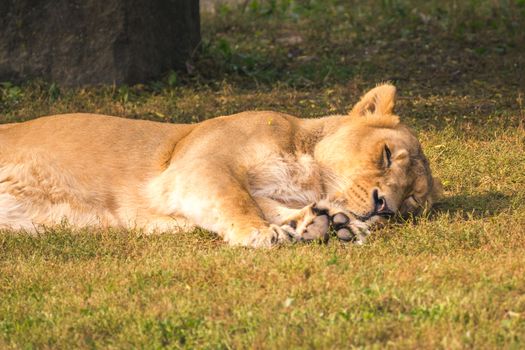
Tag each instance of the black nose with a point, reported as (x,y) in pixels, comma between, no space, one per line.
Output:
(380,205)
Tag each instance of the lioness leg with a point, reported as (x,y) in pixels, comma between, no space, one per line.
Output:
(309,223)
(223,205)
(313,221)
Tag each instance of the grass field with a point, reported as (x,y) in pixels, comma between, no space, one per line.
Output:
(453,279)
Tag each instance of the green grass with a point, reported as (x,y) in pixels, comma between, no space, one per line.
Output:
(454,278)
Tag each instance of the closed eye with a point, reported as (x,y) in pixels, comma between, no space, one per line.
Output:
(388,156)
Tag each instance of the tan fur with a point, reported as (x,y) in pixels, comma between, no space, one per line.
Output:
(250,177)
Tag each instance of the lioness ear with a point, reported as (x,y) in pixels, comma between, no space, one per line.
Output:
(379,100)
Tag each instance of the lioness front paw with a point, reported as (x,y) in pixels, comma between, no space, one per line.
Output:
(312,223)
(348,230)
(268,237)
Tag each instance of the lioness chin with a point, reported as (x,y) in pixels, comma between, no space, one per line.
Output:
(255,178)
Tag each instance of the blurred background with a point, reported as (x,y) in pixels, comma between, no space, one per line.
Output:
(311,57)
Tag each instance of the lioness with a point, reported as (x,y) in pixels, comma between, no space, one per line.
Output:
(255,178)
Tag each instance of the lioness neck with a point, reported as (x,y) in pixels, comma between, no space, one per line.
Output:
(315,130)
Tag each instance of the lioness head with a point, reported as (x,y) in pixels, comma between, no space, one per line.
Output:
(375,166)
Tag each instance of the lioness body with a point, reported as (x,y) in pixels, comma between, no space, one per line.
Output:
(252,177)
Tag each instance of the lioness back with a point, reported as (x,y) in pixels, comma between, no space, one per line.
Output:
(112,143)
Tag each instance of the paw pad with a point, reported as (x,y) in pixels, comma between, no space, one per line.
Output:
(340,219)
(344,234)
(348,230)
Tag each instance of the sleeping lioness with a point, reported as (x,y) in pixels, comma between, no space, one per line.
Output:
(255,178)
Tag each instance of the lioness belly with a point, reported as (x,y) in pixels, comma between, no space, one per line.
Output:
(34,190)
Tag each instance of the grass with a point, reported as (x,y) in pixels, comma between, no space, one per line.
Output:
(451,279)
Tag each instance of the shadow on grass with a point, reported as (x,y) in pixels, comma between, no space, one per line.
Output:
(474,206)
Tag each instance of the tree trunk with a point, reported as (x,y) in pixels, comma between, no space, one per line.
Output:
(91,42)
